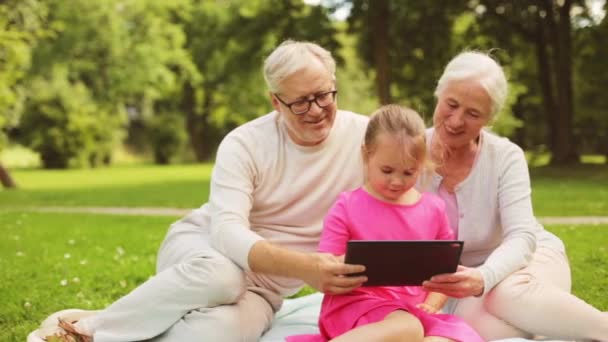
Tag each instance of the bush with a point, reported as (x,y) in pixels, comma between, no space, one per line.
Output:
(166,132)
(67,128)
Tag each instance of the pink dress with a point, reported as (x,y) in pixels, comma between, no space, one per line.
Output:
(357,215)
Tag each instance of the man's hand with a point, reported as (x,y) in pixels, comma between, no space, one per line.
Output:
(329,274)
(325,272)
(464,282)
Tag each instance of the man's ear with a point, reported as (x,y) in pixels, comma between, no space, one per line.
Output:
(275,103)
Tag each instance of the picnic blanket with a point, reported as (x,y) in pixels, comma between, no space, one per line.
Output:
(300,315)
(297,316)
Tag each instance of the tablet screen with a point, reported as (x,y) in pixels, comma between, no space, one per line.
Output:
(398,263)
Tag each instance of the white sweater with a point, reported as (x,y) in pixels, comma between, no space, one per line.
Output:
(264,186)
(496,220)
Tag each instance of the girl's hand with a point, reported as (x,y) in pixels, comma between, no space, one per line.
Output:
(329,274)
(427,308)
(465,282)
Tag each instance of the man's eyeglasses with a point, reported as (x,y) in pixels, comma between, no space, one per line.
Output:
(303,106)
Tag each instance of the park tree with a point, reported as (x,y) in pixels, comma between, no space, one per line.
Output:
(590,82)
(65,129)
(231,89)
(404,44)
(120,55)
(21,24)
(546,28)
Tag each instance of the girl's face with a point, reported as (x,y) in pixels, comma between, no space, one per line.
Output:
(463,109)
(389,175)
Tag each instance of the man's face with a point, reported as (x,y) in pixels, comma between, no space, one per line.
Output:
(314,126)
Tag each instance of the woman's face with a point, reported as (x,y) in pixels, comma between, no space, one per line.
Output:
(463,109)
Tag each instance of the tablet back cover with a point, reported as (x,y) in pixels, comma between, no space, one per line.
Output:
(397,263)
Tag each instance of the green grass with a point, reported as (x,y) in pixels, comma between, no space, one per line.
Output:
(182,186)
(587,249)
(100,258)
(537,159)
(55,261)
(572,191)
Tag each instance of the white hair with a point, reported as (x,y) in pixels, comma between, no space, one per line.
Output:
(292,56)
(479,67)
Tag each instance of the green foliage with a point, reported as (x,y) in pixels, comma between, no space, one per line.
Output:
(415,60)
(64,124)
(201,61)
(123,51)
(355,82)
(116,55)
(20,25)
(166,135)
(543,42)
(19,157)
(466,35)
(231,90)
(590,83)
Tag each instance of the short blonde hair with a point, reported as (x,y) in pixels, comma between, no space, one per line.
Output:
(404,124)
(479,67)
(292,56)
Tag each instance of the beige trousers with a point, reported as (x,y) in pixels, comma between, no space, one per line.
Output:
(534,301)
(197,295)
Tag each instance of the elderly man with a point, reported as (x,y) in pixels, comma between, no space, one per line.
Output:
(223,270)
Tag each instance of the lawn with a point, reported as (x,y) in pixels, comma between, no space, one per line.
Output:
(55,261)
(575,191)
(180,186)
(570,191)
(52,261)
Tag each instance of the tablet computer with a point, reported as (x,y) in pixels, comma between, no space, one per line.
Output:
(400,262)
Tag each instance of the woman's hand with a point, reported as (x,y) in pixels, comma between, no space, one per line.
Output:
(464,282)
(329,274)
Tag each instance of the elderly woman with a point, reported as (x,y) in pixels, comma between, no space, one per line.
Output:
(515,279)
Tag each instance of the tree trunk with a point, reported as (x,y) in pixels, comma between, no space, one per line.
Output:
(565,127)
(6,179)
(565,149)
(199,130)
(546,82)
(188,105)
(379,21)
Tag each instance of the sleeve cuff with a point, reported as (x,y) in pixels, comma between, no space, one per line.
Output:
(488,284)
(236,244)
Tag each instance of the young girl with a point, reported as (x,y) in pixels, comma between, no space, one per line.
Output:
(388,207)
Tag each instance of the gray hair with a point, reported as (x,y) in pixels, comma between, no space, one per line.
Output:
(292,56)
(482,68)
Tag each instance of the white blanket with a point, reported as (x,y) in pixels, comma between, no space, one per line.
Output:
(300,315)
(297,316)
